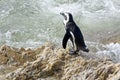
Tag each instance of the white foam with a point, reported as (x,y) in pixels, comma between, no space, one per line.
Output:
(73,8)
(8,35)
(112,51)
(92,6)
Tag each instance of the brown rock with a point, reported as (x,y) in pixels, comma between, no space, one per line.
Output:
(50,63)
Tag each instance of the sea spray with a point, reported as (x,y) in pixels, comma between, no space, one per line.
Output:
(112,52)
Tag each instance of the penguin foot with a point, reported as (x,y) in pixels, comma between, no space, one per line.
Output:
(85,50)
(72,52)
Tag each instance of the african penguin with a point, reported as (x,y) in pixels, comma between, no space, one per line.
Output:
(73,33)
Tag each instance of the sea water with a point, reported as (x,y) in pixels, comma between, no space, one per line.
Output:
(30,23)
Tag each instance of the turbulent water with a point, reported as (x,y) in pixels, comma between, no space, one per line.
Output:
(30,23)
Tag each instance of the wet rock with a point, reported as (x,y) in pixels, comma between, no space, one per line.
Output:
(113,37)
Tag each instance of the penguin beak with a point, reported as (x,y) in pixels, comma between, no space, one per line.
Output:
(62,14)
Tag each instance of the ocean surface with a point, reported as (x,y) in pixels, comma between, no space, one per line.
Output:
(31,23)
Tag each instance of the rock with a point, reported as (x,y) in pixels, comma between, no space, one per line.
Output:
(46,64)
(51,63)
(14,56)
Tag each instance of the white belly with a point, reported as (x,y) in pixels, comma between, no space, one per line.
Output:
(74,45)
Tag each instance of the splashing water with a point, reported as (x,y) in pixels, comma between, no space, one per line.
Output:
(30,23)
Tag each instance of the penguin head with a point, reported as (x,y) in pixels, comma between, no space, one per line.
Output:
(67,17)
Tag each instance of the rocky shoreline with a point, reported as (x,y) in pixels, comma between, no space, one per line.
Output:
(49,62)
(113,37)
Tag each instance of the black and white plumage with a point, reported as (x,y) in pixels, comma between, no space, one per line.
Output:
(73,33)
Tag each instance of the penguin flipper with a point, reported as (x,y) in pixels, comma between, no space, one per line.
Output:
(65,39)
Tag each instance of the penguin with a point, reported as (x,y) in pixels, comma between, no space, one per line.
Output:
(73,33)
